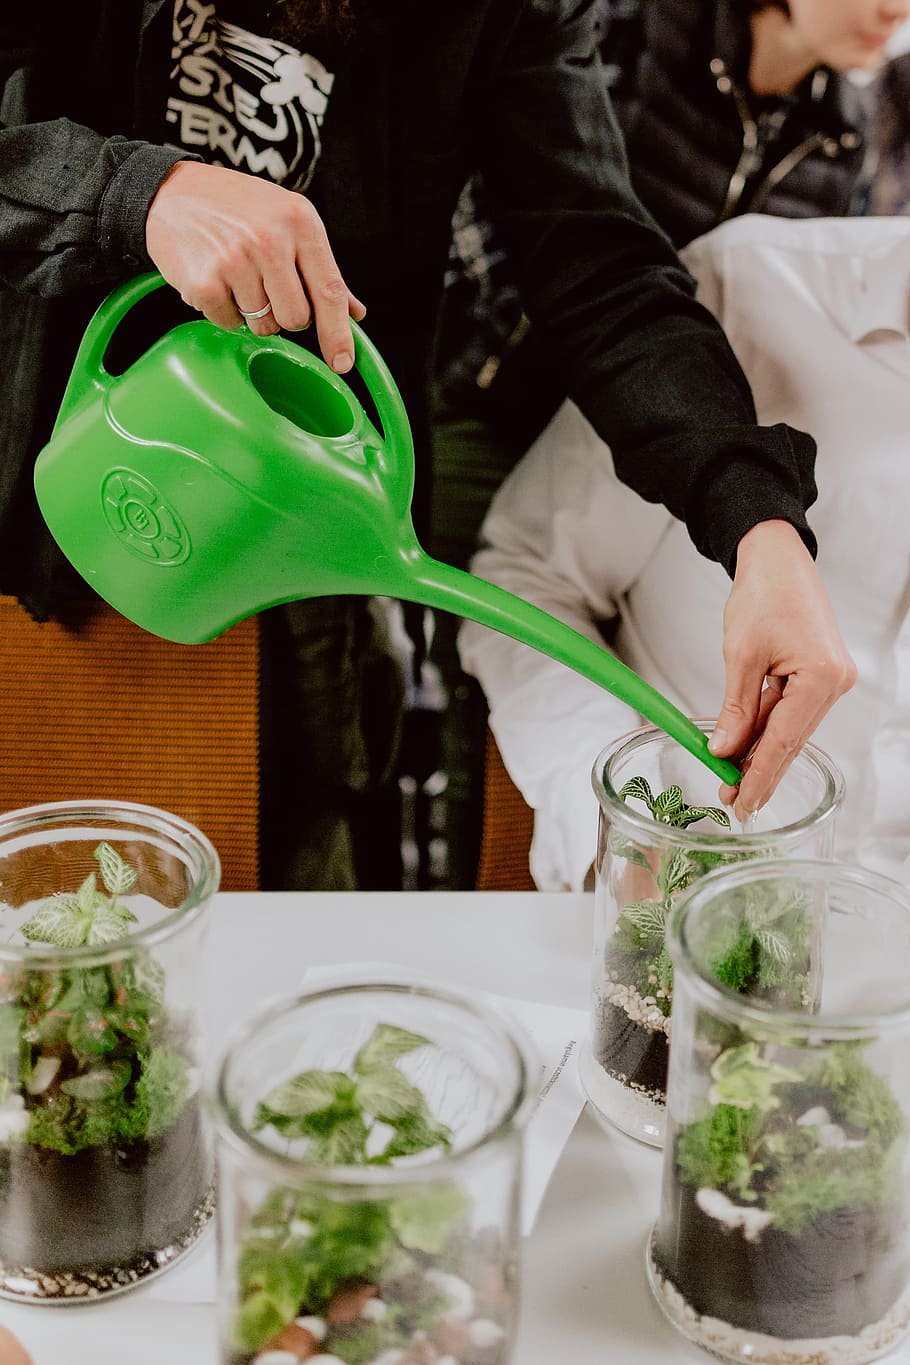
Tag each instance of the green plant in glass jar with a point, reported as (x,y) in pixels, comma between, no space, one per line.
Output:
(357,1223)
(105,1172)
(656,838)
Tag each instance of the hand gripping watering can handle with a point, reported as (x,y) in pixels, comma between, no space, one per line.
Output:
(89,375)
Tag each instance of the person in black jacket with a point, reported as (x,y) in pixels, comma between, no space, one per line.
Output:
(726,107)
(115,119)
(742,106)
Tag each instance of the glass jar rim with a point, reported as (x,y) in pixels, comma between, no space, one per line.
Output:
(164,824)
(231,1129)
(735,1008)
(622,813)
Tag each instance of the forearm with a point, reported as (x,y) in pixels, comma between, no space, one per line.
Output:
(73,205)
(647,364)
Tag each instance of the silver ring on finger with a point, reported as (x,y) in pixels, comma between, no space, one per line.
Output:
(256,313)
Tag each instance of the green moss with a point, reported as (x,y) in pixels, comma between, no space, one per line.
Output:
(843,1179)
(764,1155)
(715,1150)
(161,1092)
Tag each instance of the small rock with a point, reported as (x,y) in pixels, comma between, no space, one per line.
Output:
(484,1333)
(812,1117)
(716,1205)
(420,1353)
(374,1310)
(346,1305)
(43,1072)
(270,1357)
(300,1341)
(491,1288)
(457,1290)
(316,1326)
(452,1335)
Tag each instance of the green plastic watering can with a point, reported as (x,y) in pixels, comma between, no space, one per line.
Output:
(223,473)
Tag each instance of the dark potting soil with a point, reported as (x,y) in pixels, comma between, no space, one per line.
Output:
(103,1207)
(841,1273)
(628,1051)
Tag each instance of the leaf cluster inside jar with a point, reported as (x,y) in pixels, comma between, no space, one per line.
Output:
(407,1254)
(88,1054)
(768,951)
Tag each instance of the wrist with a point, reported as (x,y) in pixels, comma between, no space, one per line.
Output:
(769,537)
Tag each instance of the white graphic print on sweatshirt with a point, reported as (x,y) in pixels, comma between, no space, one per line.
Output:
(244,101)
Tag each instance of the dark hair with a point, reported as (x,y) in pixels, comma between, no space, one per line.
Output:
(305,21)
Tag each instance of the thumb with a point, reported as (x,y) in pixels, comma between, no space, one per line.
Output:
(737,718)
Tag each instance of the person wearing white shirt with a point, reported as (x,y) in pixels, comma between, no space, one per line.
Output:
(818,313)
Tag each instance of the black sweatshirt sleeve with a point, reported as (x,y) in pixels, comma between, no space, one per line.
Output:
(649,367)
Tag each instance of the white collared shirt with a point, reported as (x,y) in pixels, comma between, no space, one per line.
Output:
(818,313)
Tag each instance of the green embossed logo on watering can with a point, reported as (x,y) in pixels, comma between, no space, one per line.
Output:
(254,452)
(136,512)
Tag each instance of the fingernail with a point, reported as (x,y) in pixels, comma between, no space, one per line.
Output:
(718,741)
(342,362)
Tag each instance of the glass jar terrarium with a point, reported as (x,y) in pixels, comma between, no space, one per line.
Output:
(659,830)
(105,1168)
(784,1228)
(369,1152)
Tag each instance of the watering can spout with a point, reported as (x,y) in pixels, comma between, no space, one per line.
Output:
(223,473)
(439,585)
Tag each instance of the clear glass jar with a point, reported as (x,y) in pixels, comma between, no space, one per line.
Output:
(643,862)
(784,1227)
(105,1166)
(369,1153)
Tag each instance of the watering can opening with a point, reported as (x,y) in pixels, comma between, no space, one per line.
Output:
(302,395)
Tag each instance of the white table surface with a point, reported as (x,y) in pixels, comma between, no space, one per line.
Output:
(585,1298)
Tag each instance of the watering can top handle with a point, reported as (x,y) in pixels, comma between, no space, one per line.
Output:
(383,390)
(89,372)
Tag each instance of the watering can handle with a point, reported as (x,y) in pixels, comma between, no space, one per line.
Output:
(382,388)
(89,375)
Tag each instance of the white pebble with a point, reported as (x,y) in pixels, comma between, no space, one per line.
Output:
(324,1360)
(392,1357)
(315,1326)
(275,1358)
(485,1333)
(813,1117)
(716,1205)
(457,1290)
(43,1072)
(374,1310)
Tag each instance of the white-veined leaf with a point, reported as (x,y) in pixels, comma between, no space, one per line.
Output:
(344,1145)
(116,874)
(775,945)
(693,813)
(638,787)
(649,917)
(677,872)
(667,803)
(386,1043)
(308,1093)
(58,920)
(389,1096)
(108,924)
